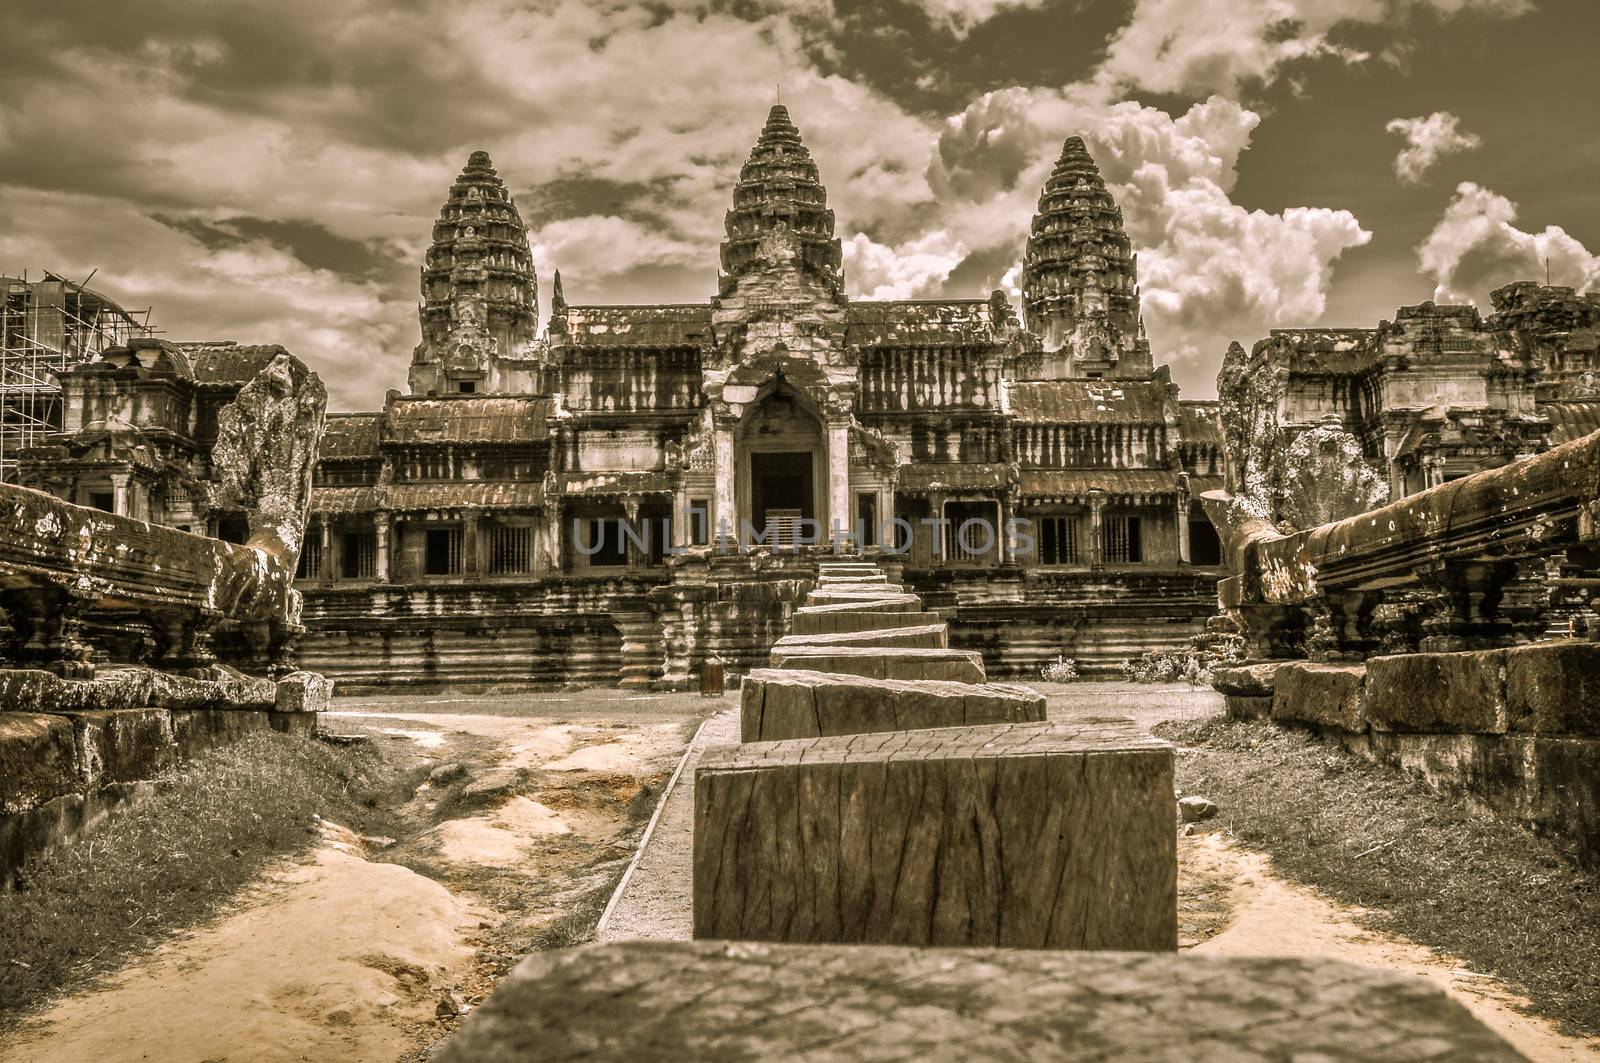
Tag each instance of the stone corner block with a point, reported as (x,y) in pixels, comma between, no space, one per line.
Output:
(303,692)
(1462,693)
(1324,695)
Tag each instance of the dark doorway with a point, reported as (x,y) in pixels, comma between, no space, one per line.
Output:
(781,481)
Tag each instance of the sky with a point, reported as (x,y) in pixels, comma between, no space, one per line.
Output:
(269,172)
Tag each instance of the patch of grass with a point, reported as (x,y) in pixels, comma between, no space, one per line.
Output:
(1427,867)
(169,860)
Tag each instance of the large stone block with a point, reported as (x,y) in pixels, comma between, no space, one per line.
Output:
(829,621)
(1246,680)
(123,745)
(726,1001)
(950,666)
(1240,707)
(782,703)
(197,730)
(927,636)
(1324,695)
(1051,836)
(1567,793)
(38,760)
(303,692)
(1554,687)
(1456,692)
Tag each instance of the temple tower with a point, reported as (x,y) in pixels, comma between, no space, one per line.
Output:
(480,298)
(779,203)
(1080,283)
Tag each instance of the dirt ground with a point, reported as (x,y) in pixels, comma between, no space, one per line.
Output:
(524,810)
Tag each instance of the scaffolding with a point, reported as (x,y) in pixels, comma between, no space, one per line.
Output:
(47,326)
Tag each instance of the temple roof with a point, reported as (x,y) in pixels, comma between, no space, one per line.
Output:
(1200,421)
(1088,401)
(475,419)
(618,484)
(925,477)
(223,364)
(1572,420)
(639,326)
(350,437)
(780,190)
(1077,483)
(418,497)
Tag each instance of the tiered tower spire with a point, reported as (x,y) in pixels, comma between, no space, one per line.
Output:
(1080,284)
(480,296)
(780,209)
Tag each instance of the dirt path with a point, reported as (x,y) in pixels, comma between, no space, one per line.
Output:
(513,815)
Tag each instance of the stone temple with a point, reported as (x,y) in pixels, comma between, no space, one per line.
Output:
(468,533)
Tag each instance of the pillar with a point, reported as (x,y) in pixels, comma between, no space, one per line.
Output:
(939,543)
(119,494)
(1097,552)
(1182,511)
(325,560)
(1008,546)
(725,522)
(471,564)
(630,510)
(839,485)
(380,526)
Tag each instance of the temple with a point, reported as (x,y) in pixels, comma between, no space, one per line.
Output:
(633,492)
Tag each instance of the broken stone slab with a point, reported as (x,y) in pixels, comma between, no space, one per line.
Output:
(1554,687)
(31,690)
(927,636)
(783,703)
(1043,835)
(1323,695)
(303,692)
(827,620)
(38,760)
(832,595)
(956,666)
(629,1001)
(1246,680)
(891,603)
(1459,692)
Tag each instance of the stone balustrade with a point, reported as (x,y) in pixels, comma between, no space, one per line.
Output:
(81,585)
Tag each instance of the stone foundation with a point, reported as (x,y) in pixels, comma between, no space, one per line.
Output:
(76,749)
(715,1000)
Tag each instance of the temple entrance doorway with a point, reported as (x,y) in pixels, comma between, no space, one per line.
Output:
(781,494)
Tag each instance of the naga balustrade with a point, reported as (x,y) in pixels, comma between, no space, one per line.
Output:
(1434,571)
(80,584)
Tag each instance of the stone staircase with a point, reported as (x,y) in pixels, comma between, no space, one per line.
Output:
(885,793)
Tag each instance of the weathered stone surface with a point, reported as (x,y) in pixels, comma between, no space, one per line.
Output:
(197,730)
(782,703)
(298,724)
(265,452)
(1246,680)
(950,666)
(1024,836)
(130,688)
(1194,809)
(123,745)
(1324,695)
(927,636)
(38,760)
(1460,692)
(829,620)
(759,1001)
(1554,688)
(303,692)
(1242,707)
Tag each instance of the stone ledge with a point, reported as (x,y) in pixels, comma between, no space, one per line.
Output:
(753,1001)
(897,663)
(926,636)
(1324,695)
(827,620)
(1448,692)
(789,703)
(1247,680)
(1554,688)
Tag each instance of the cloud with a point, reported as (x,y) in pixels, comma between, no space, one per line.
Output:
(1196,47)
(1475,247)
(1210,269)
(1428,139)
(961,16)
(915,269)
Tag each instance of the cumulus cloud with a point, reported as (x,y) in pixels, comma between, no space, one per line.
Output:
(1193,47)
(960,16)
(1476,247)
(1428,139)
(915,269)
(1211,270)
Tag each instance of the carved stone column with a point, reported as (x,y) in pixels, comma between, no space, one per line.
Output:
(630,509)
(839,536)
(325,558)
(183,643)
(1008,546)
(471,565)
(725,522)
(1462,609)
(1097,548)
(47,622)
(120,500)
(1181,512)
(380,526)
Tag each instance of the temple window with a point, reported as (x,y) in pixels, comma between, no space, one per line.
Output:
(1205,546)
(310,566)
(442,552)
(603,543)
(699,522)
(510,551)
(867,517)
(1124,543)
(359,550)
(1058,540)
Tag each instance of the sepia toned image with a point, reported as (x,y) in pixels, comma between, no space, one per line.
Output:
(799,529)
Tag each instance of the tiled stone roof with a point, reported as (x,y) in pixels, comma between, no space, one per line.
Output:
(477,419)
(1572,420)
(1088,401)
(225,364)
(351,436)
(1077,483)
(918,323)
(927,477)
(638,326)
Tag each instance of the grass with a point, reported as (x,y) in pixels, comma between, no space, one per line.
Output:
(1480,888)
(170,860)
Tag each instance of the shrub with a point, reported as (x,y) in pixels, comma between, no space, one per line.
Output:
(1061,670)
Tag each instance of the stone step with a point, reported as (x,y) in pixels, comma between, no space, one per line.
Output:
(1023,836)
(894,603)
(877,662)
(841,594)
(847,566)
(928,636)
(851,577)
(782,703)
(828,620)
